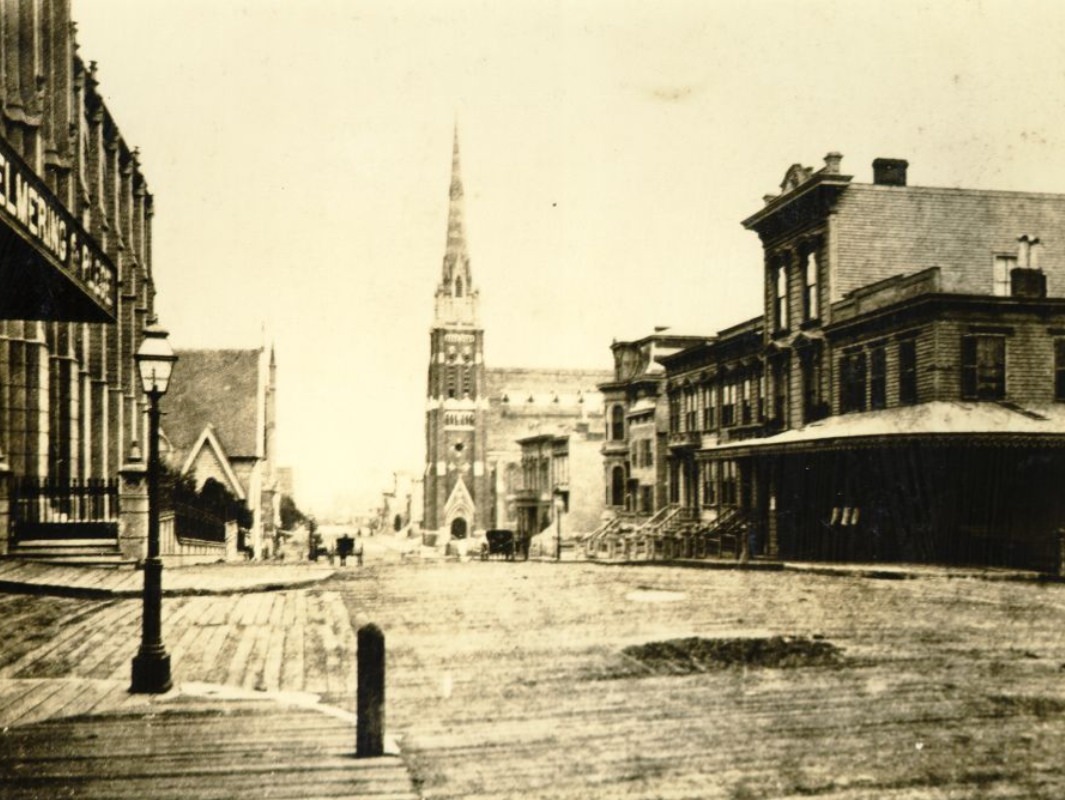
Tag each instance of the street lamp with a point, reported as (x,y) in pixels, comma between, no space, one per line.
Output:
(151,666)
(561,504)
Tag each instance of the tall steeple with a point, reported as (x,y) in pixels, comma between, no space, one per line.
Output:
(456,299)
(458,492)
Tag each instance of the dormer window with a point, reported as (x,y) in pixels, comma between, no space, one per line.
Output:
(1000,278)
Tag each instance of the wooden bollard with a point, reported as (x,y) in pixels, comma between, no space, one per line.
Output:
(370,698)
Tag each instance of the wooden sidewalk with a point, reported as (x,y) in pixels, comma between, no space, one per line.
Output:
(179,746)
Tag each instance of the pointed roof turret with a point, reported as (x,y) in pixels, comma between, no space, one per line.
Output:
(456,298)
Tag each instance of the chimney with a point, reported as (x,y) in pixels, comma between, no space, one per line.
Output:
(832,162)
(890,171)
(1023,250)
(1027,281)
(1035,247)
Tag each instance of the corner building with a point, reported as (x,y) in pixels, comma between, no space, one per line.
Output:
(902,397)
(76,284)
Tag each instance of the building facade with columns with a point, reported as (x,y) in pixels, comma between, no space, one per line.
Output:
(475,415)
(77,278)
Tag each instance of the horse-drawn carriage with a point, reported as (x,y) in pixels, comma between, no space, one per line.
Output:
(499,542)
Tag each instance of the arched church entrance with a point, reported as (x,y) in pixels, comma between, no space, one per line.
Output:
(458,528)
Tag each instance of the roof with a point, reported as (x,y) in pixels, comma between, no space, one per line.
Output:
(984,422)
(218,388)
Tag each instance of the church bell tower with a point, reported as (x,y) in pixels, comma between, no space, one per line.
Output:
(457,487)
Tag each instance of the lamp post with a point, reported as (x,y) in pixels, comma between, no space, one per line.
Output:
(561,503)
(151,666)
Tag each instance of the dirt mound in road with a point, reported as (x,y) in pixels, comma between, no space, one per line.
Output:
(694,654)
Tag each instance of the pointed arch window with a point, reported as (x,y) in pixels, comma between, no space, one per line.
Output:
(458,287)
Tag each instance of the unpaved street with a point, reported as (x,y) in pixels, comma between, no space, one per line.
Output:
(509,679)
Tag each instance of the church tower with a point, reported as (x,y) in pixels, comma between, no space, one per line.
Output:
(457,488)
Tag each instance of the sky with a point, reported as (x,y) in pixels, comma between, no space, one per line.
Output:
(299,154)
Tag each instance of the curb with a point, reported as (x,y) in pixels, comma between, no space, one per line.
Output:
(89,593)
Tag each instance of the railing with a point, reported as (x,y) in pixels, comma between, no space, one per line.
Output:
(48,508)
(200,524)
(171,544)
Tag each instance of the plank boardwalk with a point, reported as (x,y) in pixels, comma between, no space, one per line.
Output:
(191,749)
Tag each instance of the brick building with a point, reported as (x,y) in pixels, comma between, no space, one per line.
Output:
(900,398)
(475,415)
(77,286)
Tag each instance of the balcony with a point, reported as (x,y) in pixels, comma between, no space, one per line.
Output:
(615,447)
(679,440)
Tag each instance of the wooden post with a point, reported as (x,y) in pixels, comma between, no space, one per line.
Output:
(370,698)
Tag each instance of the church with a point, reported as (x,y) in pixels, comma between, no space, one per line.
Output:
(475,415)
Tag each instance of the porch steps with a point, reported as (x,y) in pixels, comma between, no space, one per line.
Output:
(82,552)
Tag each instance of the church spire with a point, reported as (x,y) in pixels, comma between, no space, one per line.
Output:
(456,300)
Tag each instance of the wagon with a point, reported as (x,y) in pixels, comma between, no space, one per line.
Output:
(498,543)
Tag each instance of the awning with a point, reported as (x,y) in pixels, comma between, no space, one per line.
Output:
(985,423)
(50,268)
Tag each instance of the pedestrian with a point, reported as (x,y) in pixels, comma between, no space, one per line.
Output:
(358,547)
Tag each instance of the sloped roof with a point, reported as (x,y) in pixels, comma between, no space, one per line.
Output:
(218,388)
(973,421)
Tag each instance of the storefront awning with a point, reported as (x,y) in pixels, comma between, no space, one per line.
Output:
(985,423)
(50,268)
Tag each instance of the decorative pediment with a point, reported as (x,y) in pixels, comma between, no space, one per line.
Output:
(795,177)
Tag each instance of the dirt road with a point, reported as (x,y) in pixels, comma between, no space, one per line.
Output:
(508,680)
(517,680)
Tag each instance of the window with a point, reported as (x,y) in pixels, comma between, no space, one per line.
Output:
(878,377)
(1001,275)
(728,483)
(907,372)
(617,486)
(674,414)
(1059,369)
(983,367)
(745,402)
(691,420)
(811,385)
(709,475)
(617,423)
(852,382)
(728,405)
(709,407)
(810,308)
(780,303)
(780,392)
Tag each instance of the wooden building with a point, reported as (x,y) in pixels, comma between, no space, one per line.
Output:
(901,398)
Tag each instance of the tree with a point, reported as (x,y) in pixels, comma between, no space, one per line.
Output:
(291,516)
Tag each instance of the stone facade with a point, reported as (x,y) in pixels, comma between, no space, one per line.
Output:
(75,231)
